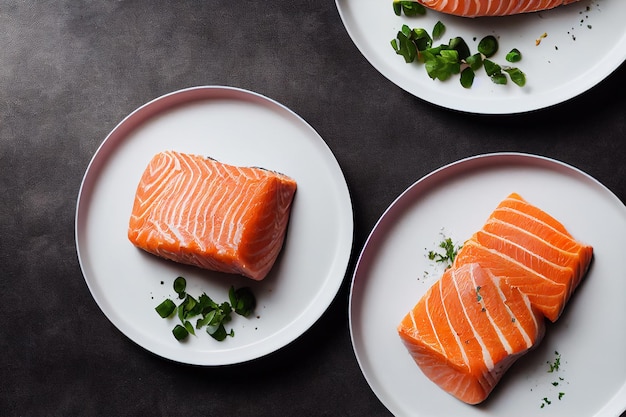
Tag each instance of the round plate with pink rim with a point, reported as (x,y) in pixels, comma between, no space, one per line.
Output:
(393,271)
(565,52)
(238,127)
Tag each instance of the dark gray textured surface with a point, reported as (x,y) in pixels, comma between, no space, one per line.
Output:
(71,70)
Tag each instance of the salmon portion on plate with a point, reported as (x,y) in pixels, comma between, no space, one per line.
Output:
(468,329)
(198,211)
(490,306)
(477,8)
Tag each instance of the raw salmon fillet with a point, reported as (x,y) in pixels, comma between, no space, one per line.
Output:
(468,329)
(490,306)
(198,211)
(530,250)
(476,8)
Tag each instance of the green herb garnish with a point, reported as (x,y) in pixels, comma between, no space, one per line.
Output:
(242,300)
(438,30)
(488,46)
(450,252)
(166,308)
(409,8)
(180,285)
(554,366)
(209,314)
(514,55)
(446,60)
(180,332)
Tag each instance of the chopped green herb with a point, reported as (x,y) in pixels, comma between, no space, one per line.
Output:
(467,77)
(554,366)
(450,252)
(561,394)
(180,285)
(514,55)
(491,68)
(474,61)
(446,60)
(242,300)
(180,332)
(517,76)
(438,30)
(409,8)
(212,315)
(166,308)
(478,296)
(488,46)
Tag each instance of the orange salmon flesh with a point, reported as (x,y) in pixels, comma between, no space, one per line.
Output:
(477,8)
(198,211)
(490,306)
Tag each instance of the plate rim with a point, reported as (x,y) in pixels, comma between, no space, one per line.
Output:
(614,405)
(340,262)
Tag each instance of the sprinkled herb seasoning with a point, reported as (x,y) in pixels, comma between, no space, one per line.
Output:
(554,366)
(450,252)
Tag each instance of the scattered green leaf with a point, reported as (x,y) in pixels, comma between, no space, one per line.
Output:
(180,332)
(448,59)
(409,8)
(180,285)
(467,77)
(514,55)
(211,315)
(474,61)
(166,308)
(242,300)
(517,76)
(488,46)
(439,30)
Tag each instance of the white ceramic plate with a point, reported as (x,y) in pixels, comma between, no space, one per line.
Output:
(237,127)
(586,41)
(393,272)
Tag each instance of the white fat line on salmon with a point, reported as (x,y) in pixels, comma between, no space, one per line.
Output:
(176,231)
(187,197)
(481,301)
(530,216)
(531,234)
(452,329)
(487,359)
(240,205)
(536,255)
(514,318)
(430,320)
(159,183)
(533,257)
(237,196)
(163,233)
(502,7)
(213,206)
(177,187)
(432,324)
(539,295)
